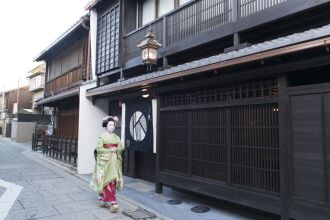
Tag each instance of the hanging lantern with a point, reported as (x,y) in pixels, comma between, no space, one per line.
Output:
(149,47)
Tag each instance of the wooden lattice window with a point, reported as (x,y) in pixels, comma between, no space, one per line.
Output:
(238,145)
(222,93)
(208,144)
(174,136)
(254,147)
(233,143)
(107,41)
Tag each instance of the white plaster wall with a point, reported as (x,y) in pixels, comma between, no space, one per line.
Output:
(123,124)
(93,32)
(13,135)
(154,124)
(90,126)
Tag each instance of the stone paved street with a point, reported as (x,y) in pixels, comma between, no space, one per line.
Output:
(47,191)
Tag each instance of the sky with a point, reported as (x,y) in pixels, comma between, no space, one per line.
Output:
(27,28)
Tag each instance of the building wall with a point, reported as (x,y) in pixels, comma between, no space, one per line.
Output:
(36,96)
(90,119)
(37,82)
(22,131)
(25,99)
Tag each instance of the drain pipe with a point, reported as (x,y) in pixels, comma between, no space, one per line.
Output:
(88,47)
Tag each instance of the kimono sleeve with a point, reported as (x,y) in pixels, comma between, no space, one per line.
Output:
(100,149)
(120,164)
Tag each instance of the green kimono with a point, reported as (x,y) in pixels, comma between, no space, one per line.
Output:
(108,167)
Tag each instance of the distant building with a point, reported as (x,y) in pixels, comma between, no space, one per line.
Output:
(36,79)
(14,102)
(22,96)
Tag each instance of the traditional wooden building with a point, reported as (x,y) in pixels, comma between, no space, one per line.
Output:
(66,68)
(238,105)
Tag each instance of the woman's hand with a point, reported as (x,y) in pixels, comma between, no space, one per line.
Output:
(119,184)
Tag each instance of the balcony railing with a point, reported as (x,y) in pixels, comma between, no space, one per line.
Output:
(64,82)
(249,7)
(209,20)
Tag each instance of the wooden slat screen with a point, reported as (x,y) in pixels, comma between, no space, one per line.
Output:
(254,147)
(208,144)
(236,144)
(174,138)
(64,82)
(222,93)
(249,7)
(197,17)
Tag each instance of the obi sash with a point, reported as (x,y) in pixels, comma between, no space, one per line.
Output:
(110,145)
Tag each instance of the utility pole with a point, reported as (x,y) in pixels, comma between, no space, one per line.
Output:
(3,103)
(17,95)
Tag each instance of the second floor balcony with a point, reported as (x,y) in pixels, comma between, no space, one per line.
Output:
(199,22)
(64,82)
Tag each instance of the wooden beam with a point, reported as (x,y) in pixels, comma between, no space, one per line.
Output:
(283,144)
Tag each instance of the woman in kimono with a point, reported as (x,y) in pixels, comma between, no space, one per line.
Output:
(107,176)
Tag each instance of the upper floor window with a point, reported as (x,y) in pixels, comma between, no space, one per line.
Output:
(164,6)
(107,40)
(69,59)
(148,11)
(152,9)
(181,2)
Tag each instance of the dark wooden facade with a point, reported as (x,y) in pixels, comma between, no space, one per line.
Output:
(255,131)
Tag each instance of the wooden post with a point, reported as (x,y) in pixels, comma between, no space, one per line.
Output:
(158,184)
(61,147)
(70,145)
(33,142)
(228,143)
(46,144)
(65,146)
(122,32)
(165,62)
(283,142)
(57,146)
(235,17)
(75,151)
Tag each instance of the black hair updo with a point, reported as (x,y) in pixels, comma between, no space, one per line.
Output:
(106,121)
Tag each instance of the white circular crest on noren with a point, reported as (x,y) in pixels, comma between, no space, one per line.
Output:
(138,126)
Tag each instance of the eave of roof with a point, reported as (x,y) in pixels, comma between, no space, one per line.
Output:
(282,45)
(40,69)
(62,37)
(60,96)
(92,4)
